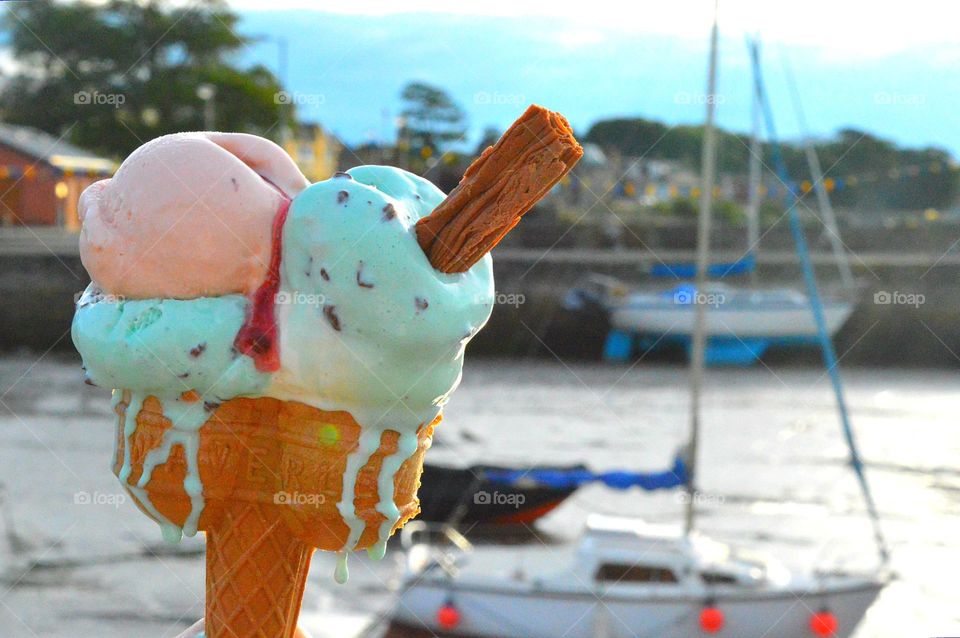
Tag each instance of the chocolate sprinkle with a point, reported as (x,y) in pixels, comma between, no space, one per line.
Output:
(342,196)
(236,185)
(360,281)
(198,349)
(210,406)
(389,212)
(330,312)
(183,376)
(342,174)
(421,303)
(88,381)
(324,274)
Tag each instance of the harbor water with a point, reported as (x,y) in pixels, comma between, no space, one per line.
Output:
(78,559)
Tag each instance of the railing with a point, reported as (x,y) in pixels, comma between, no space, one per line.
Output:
(37,240)
(603,257)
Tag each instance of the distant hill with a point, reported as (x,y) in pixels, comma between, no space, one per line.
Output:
(346,72)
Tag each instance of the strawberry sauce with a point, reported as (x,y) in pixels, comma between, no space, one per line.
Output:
(258,336)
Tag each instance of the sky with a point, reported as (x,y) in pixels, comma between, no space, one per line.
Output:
(888,68)
(837,27)
(891,71)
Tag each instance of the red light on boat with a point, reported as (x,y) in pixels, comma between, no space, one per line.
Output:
(711,620)
(823,623)
(448,616)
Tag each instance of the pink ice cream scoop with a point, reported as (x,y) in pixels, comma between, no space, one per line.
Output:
(187,215)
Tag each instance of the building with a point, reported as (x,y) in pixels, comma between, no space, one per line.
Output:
(41,178)
(314,150)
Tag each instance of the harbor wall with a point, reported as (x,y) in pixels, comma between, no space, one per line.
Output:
(908,311)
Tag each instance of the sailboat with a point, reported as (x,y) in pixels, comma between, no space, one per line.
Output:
(745,320)
(626,578)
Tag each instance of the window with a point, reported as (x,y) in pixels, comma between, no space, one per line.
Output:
(625,573)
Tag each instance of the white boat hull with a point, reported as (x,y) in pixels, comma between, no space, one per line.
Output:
(515,613)
(737,317)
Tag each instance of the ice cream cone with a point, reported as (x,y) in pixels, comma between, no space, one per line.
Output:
(346,285)
(256,573)
(272,476)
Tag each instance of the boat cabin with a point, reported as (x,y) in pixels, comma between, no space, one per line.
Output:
(621,553)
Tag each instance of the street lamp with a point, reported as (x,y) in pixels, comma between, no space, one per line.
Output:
(283,53)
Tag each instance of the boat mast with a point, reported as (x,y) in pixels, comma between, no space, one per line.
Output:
(708,167)
(753,186)
(816,175)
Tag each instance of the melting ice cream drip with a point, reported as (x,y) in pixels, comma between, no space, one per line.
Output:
(128,423)
(406,448)
(186,419)
(368,444)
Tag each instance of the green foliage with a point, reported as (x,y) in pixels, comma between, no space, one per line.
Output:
(729,212)
(110,76)
(684,207)
(688,208)
(771,211)
(878,164)
(431,118)
(632,137)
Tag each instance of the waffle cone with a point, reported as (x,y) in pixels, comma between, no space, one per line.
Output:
(272,475)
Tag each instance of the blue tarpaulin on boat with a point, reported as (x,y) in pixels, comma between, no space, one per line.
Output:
(688,271)
(620,480)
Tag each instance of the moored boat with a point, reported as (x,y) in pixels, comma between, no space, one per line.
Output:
(742,322)
(467,496)
(624,578)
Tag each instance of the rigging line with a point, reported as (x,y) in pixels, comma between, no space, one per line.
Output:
(817,178)
(754,182)
(816,307)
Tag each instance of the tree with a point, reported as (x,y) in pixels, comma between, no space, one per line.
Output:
(110,76)
(431,119)
(884,175)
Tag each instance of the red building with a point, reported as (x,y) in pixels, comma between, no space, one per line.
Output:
(41,178)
